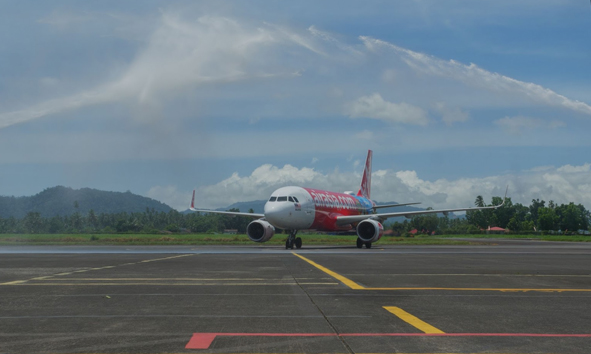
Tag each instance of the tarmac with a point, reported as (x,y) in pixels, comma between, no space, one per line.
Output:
(511,297)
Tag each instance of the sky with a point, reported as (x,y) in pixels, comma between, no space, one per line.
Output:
(238,98)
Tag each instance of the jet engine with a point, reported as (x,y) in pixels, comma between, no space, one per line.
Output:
(260,231)
(370,230)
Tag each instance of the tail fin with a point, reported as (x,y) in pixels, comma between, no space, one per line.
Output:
(193,201)
(365,189)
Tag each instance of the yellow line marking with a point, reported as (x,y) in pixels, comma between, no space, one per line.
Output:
(342,279)
(353,285)
(412,320)
(16,282)
(161,259)
(22,282)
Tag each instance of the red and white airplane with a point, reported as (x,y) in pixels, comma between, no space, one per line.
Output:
(297,208)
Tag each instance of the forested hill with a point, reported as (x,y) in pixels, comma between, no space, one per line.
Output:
(67,201)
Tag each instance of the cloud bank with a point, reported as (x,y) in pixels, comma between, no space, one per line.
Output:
(181,55)
(563,184)
(475,76)
(376,107)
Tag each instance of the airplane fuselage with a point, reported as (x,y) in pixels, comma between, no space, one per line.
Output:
(297,208)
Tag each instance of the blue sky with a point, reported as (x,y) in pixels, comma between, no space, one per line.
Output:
(237,98)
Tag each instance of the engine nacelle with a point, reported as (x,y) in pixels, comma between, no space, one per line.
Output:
(370,230)
(260,231)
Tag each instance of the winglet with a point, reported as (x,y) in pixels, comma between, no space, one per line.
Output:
(193,201)
(504,199)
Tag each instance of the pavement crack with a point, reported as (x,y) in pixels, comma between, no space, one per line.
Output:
(334,329)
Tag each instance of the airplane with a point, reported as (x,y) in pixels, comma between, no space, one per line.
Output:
(297,208)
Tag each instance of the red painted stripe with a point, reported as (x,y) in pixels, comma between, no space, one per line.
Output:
(204,340)
(201,340)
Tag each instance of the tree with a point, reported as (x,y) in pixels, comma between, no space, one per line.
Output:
(92,220)
(547,219)
(572,218)
(400,228)
(33,223)
(536,204)
(425,223)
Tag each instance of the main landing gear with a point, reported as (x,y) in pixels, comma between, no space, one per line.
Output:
(360,243)
(292,240)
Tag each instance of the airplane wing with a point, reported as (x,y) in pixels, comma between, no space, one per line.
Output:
(345,220)
(235,213)
(394,205)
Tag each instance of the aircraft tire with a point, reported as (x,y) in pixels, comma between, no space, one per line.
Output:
(287,244)
(359,243)
(298,242)
(368,244)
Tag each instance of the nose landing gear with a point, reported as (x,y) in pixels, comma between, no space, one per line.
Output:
(292,240)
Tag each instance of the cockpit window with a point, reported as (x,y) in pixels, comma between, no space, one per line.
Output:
(273,199)
(296,199)
(282,199)
(291,199)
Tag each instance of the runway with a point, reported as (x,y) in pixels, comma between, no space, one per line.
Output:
(524,297)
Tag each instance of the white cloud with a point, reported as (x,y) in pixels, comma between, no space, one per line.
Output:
(564,184)
(475,76)
(259,185)
(517,125)
(450,115)
(575,169)
(376,107)
(179,55)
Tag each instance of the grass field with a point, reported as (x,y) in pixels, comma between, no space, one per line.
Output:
(202,239)
(209,239)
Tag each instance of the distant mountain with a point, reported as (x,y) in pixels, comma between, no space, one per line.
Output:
(63,200)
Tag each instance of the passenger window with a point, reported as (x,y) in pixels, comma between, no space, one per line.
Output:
(296,199)
(282,199)
(273,199)
(290,199)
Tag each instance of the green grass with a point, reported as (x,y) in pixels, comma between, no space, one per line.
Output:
(566,238)
(200,239)
(209,239)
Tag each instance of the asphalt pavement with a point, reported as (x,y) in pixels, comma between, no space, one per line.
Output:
(507,298)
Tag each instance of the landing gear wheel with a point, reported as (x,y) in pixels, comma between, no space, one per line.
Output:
(368,244)
(359,243)
(292,240)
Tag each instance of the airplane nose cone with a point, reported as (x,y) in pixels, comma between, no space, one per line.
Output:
(274,212)
(271,210)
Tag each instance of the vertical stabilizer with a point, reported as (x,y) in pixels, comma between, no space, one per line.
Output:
(365,189)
